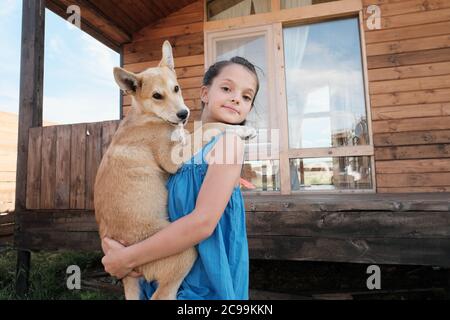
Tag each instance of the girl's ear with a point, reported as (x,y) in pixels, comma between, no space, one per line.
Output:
(204,94)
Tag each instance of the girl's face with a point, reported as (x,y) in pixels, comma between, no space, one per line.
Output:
(229,98)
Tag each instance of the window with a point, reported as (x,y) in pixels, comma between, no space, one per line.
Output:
(288,4)
(326,106)
(337,173)
(226,9)
(312,96)
(261,170)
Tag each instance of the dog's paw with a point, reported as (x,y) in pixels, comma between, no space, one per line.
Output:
(179,135)
(246,132)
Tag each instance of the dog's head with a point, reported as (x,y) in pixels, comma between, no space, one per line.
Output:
(156,90)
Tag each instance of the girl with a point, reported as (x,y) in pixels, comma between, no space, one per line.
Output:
(205,203)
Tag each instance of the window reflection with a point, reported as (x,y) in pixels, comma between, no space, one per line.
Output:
(262,175)
(254,50)
(338,173)
(324,85)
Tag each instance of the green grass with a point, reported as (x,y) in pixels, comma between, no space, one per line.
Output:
(48,276)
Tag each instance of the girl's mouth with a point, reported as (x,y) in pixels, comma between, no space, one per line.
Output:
(231,108)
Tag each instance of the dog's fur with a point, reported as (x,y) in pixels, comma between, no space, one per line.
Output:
(130,196)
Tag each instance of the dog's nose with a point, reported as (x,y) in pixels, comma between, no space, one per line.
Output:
(182,114)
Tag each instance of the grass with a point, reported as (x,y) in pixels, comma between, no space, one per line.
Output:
(48,276)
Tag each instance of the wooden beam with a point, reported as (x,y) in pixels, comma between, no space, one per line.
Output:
(432,252)
(30,110)
(110,39)
(104,23)
(398,229)
(31,87)
(305,14)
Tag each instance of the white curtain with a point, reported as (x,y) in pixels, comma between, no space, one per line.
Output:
(295,40)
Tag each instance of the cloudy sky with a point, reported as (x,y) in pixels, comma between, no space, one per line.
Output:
(78,81)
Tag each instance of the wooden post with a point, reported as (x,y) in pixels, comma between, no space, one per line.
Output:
(120,91)
(30,112)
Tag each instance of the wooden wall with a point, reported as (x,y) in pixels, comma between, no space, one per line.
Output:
(408,62)
(63,162)
(184,30)
(409,85)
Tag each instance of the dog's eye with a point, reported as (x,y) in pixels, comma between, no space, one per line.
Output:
(177,88)
(157,96)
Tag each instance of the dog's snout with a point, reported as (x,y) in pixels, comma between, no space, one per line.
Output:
(182,114)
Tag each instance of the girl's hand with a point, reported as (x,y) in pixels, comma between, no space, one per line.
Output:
(115,261)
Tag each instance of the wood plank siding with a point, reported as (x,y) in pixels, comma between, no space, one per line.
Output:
(372,228)
(409,84)
(184,30)
(62,164)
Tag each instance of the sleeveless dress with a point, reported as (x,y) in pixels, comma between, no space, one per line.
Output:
(221,270)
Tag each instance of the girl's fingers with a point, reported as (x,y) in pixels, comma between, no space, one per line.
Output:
(112,244)
(105,245)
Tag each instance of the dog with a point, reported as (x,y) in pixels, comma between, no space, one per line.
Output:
(130,197)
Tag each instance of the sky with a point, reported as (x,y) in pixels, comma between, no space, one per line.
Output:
(78,81)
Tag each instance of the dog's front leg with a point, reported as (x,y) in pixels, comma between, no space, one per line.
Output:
(131,287)
(170,157)
(178,146)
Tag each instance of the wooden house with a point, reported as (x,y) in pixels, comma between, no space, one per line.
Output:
(357,91)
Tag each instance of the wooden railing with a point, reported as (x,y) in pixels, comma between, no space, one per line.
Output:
(62,164)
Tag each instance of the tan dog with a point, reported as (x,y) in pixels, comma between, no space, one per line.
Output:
(130,196)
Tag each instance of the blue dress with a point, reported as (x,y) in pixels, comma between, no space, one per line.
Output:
(221,270)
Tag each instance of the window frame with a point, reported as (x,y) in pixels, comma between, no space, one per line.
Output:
(273,23)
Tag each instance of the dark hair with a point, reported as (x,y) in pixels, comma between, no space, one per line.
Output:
(215,69)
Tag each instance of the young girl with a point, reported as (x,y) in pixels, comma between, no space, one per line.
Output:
(205,204)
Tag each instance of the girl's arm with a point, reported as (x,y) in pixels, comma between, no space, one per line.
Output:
(189,230)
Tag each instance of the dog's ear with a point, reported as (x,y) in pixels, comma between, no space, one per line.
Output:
(167,56)
(127,81)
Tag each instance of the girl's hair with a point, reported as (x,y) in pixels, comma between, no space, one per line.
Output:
(215,69)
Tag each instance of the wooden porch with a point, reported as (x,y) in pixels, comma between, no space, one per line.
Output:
(364,228)
(57,165)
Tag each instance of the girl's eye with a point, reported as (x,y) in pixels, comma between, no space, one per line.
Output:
(226,89)
(157,96)
(176,89)
(247,98)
